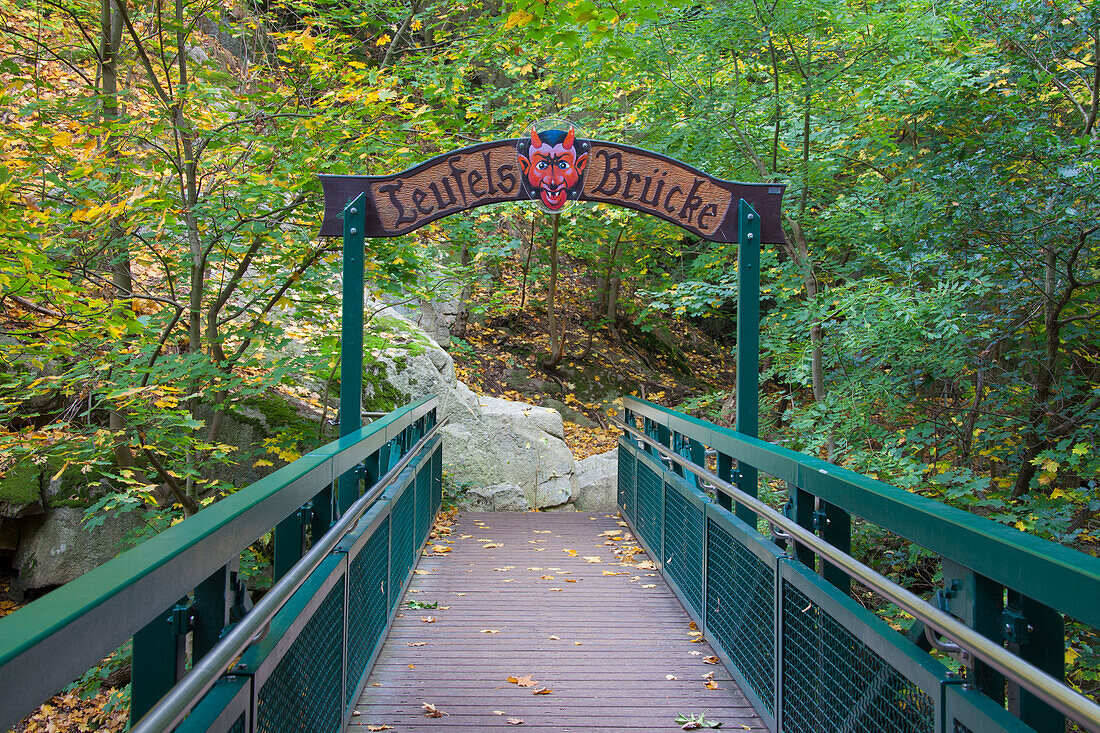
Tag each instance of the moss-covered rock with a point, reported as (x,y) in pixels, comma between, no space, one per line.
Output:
(21,490)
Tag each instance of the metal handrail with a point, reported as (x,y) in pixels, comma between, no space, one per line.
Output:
(1049,689)
(174,706)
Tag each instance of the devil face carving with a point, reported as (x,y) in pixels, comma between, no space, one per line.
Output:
(553,167)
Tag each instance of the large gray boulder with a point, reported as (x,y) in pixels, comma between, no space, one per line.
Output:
(597,482)
(490,441)
(500,498)
(58,547)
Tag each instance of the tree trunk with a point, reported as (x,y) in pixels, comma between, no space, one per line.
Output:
(458,328)
(557,339)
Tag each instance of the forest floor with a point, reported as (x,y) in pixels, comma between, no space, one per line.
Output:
(506,347)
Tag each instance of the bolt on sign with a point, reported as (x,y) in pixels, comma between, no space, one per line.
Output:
(553,167)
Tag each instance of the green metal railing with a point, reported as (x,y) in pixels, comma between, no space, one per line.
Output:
(323,619)
(778,608)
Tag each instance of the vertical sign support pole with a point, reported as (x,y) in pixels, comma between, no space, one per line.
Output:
(747,419)
(351,339)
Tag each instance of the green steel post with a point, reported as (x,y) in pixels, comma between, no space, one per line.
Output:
(664,436)
(698,457)
(748,342)
(159,659)
(979,603)
(802,512)
(289,539)
(213,599)
(725,472)
(1040,639)
(351,339)
(838,533)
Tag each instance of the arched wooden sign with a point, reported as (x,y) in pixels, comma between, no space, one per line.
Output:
(552,167)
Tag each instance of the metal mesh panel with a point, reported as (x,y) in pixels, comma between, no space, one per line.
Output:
(401,554)
(626,482)
(960,728)
(684,545)
(741,611)
(238,725)
(648,508)
(833,681)
(367,610)
(423,504)
(303,693)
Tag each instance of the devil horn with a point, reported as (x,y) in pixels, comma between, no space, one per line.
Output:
(568,143)
(535,142)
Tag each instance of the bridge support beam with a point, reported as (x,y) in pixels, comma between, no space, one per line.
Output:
(351,340)
(747,419)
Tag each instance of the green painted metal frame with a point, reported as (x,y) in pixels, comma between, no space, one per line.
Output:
(1063,580)
(53,640)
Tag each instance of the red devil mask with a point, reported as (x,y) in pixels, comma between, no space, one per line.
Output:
(552,166)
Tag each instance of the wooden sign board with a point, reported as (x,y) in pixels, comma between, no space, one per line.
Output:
(552,169)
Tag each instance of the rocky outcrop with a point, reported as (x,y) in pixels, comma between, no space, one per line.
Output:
(490,441)
(500,498)
(597,482)
(59,546)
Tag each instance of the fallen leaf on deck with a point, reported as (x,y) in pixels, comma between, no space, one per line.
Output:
(492,545)
(514,721)
(622,524)
(571,580)
(380,727)
(509,580)
(693,626)
(432,711)
(547,577)
(490,631)
(465,536)
(498,712)
(578,643)
(646,565)
(710,685)
(671,677)
(708,676)
(534,568)
(440,549)
(694,654)
(556,590)
(541,691)
(651,585)
(555,637)
(412,666)
(524,681)
(484,539)
(415,643)
(612,572)
(505,569)
(375,684)
(542,531)
(592,558)
(428,619)
(422,572)
(710,660)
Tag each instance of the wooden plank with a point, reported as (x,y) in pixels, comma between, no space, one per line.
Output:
(606,644)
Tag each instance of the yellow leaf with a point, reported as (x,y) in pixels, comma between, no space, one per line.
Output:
(383,40)
(1071,655)
(62,140)
(1080,449)
(518,19)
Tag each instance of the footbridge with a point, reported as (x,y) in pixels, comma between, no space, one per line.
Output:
(694,599)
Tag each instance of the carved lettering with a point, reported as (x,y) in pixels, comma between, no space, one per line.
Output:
(614,164)
(669,206)
(705,213)
(473,179)
(392,190)
(418,197)
(692,203)
(456,174)
(643,196)
(507,180)
(631,178)
(488,173)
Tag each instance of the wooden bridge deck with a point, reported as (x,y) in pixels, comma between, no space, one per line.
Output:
(523,595)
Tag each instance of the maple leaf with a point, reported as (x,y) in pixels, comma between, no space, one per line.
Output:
(541,691)
(432,711)
(428,619)
(710,660)
(380,727)
(524,681)
(440,549)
